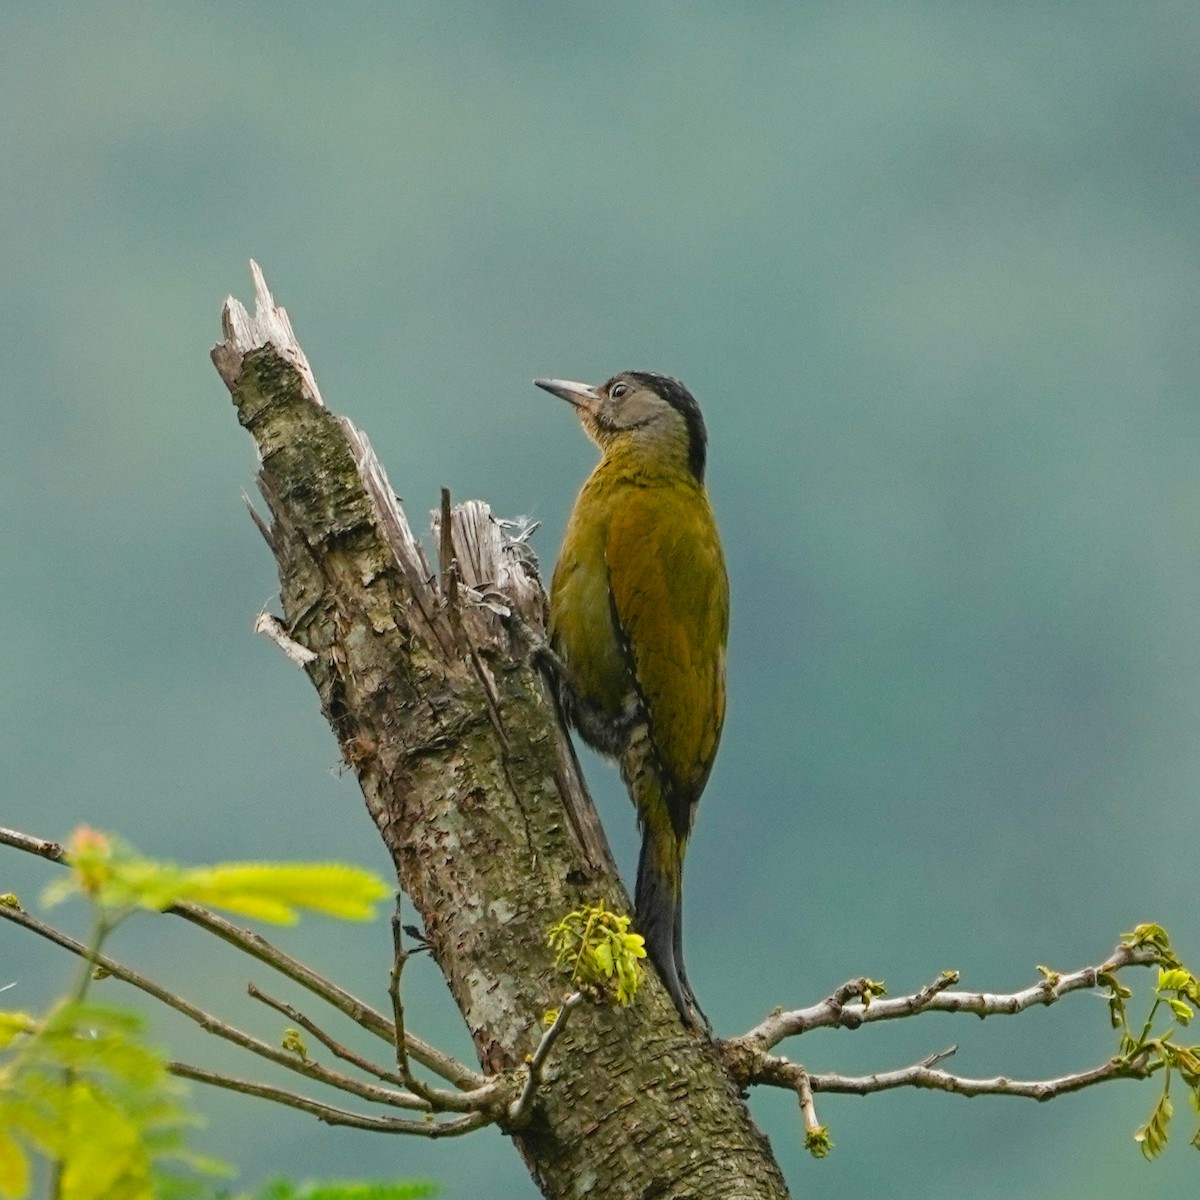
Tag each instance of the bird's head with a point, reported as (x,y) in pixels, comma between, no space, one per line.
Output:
(654,416)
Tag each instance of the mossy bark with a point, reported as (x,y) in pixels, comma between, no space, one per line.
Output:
(472,783)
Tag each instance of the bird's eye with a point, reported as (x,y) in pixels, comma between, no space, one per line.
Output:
(618,390)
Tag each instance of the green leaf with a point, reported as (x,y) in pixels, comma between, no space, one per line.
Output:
(283,1189)
(818,1142)
(1148,934)
(874,988)
(1174,979)
(13,1024)
(1152,1137)
(273,891)
(368,1191)
(1186,1059)
(87,1092)
(14,1168)
(1182,1011)
(1114,985)
(294,1043)
(94,1037)
(106,1159)
(595,945)
(113,875)
(604,958)
(633,945)
(117,878)
(28,1110)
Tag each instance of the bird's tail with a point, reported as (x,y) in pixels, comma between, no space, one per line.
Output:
(659,895)
(659,902)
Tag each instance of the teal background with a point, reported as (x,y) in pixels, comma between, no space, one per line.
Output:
(931,269)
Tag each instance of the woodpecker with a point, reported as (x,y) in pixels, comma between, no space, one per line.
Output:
(639,620)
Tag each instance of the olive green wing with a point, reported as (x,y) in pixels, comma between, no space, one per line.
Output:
(670,601)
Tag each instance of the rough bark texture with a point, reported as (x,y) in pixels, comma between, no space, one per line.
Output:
(476,792)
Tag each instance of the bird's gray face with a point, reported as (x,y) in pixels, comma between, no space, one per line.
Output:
(622,406)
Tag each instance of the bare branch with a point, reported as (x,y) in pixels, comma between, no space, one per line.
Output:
(32,845)
(272,627)
(361,1013)
(808,1108)
(335,1047)
(779,1072)
(328,1113)
(520,1109)
(257,947)
(836,1010)
(816,1137)
(856,1003)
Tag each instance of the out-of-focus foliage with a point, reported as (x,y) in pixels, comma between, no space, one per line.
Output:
(80,1087)
(282,1189)
(116,878)
(83,1090)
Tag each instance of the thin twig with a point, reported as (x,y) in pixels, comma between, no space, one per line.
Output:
(335,1047)
(259,523)
(399,961)
(328,1113)
(808,1107)
(256,946)
(439,1099)
(522,1106)
(361,1013)
(32,845)
(212,1024)
(835,1010)
(779,1072)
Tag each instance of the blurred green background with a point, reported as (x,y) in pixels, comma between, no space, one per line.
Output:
(932,272)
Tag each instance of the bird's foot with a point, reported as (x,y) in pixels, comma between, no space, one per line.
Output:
(537,646)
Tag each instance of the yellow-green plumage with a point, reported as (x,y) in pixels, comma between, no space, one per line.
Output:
(639,615)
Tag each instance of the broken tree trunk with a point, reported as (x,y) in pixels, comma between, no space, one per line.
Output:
(428,684)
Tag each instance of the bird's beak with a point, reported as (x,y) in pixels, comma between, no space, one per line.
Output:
(581,395)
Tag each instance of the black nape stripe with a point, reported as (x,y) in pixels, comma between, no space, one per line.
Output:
(680,399)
